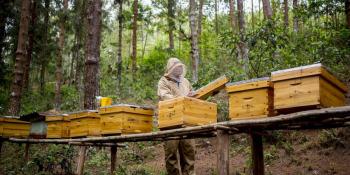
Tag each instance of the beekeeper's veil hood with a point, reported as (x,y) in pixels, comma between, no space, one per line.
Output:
(172,63)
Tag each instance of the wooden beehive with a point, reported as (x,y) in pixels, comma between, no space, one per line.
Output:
(12,127)
(186,111)
(250,99)
(84,123)
(306,87)
(125,119)
(57,126)
(211,88)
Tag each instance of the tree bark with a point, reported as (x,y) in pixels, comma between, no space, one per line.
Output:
(243,48)
(3,18)
(286,15)
(26,66)
(59,58)
(92,54)
(267,9)
(194,41)
(171,22)
(295,18)
(216,17)
(120,45)
(347,12)
(232,15)
(134,39)
(43,52)
(21,52)
(199,32)
(252,11)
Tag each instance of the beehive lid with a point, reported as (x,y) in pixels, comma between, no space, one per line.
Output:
(11,119)
(129,108)
(83,114)
(56,117)
(256,83)
(305,71)
(210,88)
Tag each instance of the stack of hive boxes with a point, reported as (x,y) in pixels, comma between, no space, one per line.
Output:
(12,127)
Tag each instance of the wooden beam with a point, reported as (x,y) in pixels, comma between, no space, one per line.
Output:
(222,149)
(257,154)
(113,159)
(81,160)
(1,141)
(26,152)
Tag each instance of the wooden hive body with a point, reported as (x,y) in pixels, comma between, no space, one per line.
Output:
(250,99)
(84,124)
(186,111)
(307,87)
(11,127)
(57,126)
(125,119)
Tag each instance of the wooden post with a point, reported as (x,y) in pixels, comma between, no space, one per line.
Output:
(222,148)
(113,158)
(0,146)
(26,152)
(81,160)
(257,154)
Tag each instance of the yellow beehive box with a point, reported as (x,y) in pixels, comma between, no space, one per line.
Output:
(186,111)
(84,123)
(12,127)
(211,88)
(306,87)
(57,126)
(250,99)
(125,119)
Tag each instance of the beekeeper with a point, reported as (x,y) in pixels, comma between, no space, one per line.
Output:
(174,84)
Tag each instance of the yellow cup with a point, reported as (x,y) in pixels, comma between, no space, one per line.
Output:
(106,101)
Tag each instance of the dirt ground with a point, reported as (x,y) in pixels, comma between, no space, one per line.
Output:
(306,153)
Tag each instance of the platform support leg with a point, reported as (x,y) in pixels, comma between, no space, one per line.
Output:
(81,160)
(113,159)
(223,156)
(257,154)
(26,152)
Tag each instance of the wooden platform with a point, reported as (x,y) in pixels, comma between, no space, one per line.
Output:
(313,119)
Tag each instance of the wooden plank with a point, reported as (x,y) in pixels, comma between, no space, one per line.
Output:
(248,85)
(26,152)
(223,154)
(81,160)
(113,159)
(211,88)
(257,154)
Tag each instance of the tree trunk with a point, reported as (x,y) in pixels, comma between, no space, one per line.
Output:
(200,17)
(194,41)
(26,66)
(17,80)
(216,17)
(267,9)
(171,22)
(3,18)
(92,54)
(347,12)
(59,74)
(199,32)
(134,39)
(43,52)
(253,19)
(286,15)
(295,19)
(243,48)
(232,15)
(120,45)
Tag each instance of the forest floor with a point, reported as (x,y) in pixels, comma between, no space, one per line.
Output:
(325,152)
